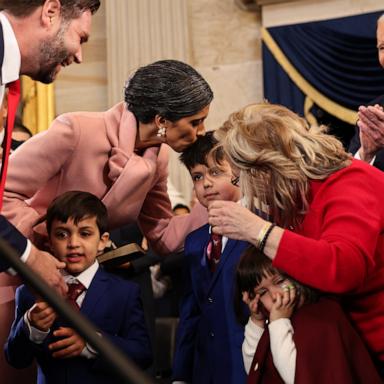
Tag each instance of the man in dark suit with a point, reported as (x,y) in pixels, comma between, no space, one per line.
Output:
(368,142)
(38,37)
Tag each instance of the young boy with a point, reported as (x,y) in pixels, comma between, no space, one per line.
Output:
(77,228)
(209,339)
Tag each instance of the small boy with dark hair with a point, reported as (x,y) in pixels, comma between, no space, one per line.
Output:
(209,338)
(77,224)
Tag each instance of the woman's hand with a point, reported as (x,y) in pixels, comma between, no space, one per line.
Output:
(234,221)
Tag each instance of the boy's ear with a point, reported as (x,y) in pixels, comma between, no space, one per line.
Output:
(103,241)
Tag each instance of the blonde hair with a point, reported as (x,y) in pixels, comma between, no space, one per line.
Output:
(277,153)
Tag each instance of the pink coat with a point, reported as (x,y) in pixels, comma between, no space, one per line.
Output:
(94,152)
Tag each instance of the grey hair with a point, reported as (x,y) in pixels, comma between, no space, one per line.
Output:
(169,88)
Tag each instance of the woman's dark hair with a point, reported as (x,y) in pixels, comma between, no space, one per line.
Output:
(169,88)
(251,269)
(77,205)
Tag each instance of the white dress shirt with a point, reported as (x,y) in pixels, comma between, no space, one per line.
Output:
(357,156)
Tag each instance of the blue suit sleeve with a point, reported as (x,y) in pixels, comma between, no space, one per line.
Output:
(14,238)
(19,350)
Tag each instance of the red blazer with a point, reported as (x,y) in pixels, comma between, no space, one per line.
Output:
(339,247)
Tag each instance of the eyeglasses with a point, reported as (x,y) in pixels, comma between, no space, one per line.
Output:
(235,181)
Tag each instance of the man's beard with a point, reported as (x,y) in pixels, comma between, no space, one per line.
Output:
(52,54)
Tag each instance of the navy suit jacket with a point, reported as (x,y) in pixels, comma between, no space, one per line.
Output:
(355,142)
(209,339)
(114,307)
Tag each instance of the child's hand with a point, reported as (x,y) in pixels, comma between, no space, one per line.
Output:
(69,345)
(283,303)
(253,304)
(41,316)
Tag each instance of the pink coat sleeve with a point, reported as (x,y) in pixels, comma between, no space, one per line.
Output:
(166,232)
(31,166)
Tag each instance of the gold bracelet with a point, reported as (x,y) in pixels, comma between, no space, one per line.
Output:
(261,234)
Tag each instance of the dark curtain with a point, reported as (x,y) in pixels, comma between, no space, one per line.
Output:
(338,58)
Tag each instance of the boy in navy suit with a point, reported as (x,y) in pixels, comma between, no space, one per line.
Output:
(77,228)
(209,339)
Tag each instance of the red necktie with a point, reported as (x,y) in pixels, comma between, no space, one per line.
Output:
(214,251)
(75,289)
(13,101)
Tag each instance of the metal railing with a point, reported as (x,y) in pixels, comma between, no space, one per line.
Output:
(121,365)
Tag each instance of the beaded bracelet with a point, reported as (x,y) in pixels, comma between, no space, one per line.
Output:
(265,238)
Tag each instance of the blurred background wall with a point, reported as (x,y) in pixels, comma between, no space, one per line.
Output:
(221,38)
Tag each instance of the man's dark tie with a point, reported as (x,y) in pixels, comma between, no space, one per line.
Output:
(214,251)
(13,101)
(75,289)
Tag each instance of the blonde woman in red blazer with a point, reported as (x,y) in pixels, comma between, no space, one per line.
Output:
(120,155)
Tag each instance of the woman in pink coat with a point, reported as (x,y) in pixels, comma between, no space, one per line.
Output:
(120,155)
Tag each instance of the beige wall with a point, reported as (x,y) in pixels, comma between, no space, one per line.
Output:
(224,45)
(225,48)
(84,87)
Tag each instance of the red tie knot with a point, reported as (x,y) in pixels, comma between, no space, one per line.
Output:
(74,290)
(216,237)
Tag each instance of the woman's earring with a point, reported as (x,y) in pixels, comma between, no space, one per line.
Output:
(161,131)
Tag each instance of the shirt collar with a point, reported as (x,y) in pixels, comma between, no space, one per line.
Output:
(84,277)
(10,70)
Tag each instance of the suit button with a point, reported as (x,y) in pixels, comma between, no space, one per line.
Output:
(212,334)
(210,300)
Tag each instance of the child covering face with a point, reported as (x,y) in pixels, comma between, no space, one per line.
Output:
(290,328)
